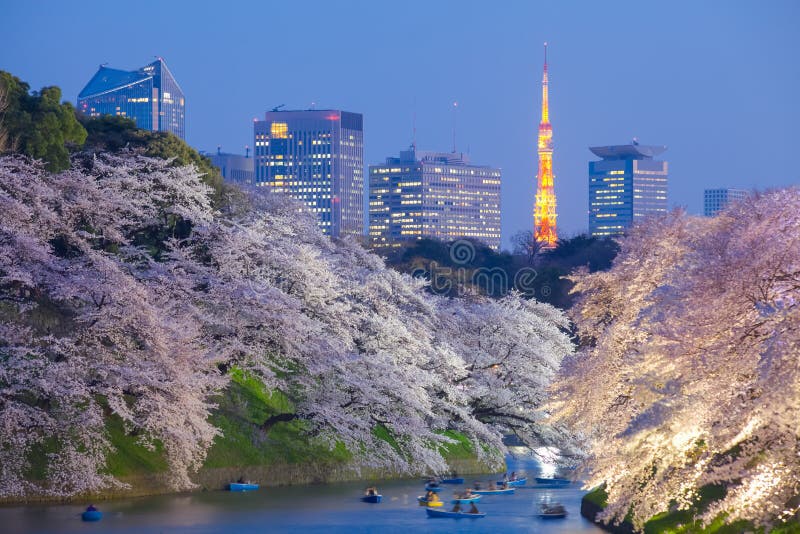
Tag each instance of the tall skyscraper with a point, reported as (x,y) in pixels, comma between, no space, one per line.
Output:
(626,185)
(234,168)
(316,157)
(433,194)
(716,200)
(544,211)
(149,95)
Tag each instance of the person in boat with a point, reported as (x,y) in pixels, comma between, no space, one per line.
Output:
(91,508)
(468,493)
(513,475)
(476,485)
(372,490)
(457,507)
(473,509)
(432,497)
(240,481)
(505,477)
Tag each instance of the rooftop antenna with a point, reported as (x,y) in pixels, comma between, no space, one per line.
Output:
(414,126)
(219,149)
(247,151)
(278,108)
(455,109)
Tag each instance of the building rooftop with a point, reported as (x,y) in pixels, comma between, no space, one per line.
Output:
(107,79)
(631,151)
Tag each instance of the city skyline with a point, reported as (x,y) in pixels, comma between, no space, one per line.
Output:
(694,77)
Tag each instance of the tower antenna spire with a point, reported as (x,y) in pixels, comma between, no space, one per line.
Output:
(455,116)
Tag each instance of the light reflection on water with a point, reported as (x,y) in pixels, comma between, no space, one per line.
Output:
(328,508)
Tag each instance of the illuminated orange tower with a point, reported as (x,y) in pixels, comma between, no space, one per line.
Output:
(544,211)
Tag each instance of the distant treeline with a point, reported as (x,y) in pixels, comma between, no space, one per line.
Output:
(468,266)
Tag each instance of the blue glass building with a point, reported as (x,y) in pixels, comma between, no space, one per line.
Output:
(626,185)
(150,96)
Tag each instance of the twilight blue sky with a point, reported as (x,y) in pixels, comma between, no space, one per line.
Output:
(718,82)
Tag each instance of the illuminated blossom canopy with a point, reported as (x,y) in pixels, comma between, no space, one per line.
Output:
(689,372)
(124,293)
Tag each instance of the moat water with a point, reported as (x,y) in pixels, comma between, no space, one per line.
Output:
(318,508)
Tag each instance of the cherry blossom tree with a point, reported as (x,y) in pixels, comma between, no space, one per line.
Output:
(688,374)
(123,293)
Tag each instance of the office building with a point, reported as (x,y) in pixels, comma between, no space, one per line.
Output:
(716,200)
(316,157)
(234,168)
(149,95)
(433,194)
(626,185)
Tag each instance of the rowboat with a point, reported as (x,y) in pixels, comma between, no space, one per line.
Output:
(92,515)
(372,498)
(240,486)
(516,482)
(455,515)
(464,500)
(425,502)
(453,481)
(552,511)
(507,491)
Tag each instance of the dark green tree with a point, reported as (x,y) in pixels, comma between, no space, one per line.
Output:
(39,124)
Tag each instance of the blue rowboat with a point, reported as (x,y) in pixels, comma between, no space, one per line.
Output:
(552,481)
(508,491)
(238,486)
(453,481)
(435,489)
(372,498)
(433,512)
(464,500)
(516,482)
(92,515)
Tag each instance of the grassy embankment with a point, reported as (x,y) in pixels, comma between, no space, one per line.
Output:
(283,454)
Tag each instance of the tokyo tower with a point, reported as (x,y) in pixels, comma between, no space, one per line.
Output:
(544,211)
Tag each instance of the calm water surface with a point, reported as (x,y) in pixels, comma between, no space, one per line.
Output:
(330,508)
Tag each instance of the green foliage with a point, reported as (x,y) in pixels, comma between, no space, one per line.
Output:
(39,124)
